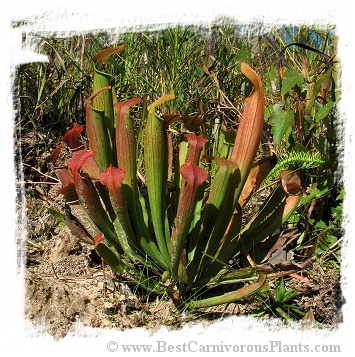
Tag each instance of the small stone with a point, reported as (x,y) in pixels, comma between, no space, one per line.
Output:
(136,320)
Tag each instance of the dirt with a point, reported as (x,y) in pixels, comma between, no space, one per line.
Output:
(66,282)
(321,295)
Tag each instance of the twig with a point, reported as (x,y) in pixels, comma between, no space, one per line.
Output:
(54,272)
(310,210)
(141,177)
(37,183)
(332,249)
(33,168)
(247,255)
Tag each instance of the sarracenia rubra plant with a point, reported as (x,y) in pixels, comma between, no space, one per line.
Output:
(175,225)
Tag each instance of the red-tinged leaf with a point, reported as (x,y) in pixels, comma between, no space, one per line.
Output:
(78,160)
(250,127)
(68,189)
(102,56)
(65,176)
(98,239)
(291,204)
(193,178)
(126,143)
(76,228)
(83,160)
(294,188)
(71,137)
(257,175)
(291,182)
(171,118)
(55,153)
(69,192)
(91,168)
(193,175)
(195,146)
(92,204)
(125,140)
(112,178)
(89,196)
(124,106)
(229,182)
(192,122)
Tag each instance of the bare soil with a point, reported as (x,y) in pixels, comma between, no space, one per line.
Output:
(66,282)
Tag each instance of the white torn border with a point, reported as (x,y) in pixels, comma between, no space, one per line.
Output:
(68,17)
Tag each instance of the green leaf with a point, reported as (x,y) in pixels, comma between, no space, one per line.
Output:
(292,78)
(258,229)
(268,111)
(105,100)
(316,191)
(183,147)
(317,88)
(324,111)
(216,213)
(272,78)
(245,291)
(109,256)
(320,225)
(226,141)
(341,195)
(98,139)
(243,54)
(57,215)
(116,262)
(281,121)
(126,143)
(156,166)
